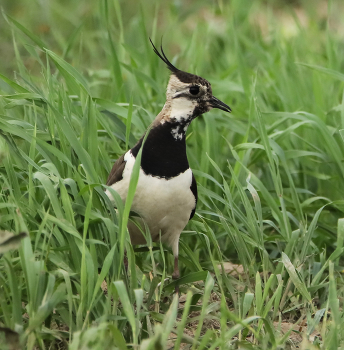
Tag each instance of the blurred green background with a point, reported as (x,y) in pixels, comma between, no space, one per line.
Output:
(179,22)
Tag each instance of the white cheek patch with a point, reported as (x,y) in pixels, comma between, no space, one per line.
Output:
(182,109)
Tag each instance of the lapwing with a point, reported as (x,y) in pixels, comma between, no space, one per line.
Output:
(166,193)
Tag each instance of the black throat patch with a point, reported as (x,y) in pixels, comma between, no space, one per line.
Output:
(163,155)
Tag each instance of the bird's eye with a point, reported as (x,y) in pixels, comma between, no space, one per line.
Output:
(194,90)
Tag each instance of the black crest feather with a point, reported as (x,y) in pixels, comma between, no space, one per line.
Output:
(182,76)
(163,57)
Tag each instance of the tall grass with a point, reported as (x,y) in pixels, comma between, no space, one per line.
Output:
(85,86)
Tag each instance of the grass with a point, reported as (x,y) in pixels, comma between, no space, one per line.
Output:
(80,84)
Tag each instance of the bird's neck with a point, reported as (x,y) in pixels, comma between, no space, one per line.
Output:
(177,114)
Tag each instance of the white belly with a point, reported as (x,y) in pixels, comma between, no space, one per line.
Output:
(165,205)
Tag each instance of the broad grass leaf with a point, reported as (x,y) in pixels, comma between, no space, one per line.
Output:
(16,87)
(73,78)
(127,306)
(190,278)
(300,285)
(330,72)
(38,41)
(247,303)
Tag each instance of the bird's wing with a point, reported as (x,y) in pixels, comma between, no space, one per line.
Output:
(193,189)
(116,173)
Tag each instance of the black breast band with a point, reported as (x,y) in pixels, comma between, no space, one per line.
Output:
(163,155)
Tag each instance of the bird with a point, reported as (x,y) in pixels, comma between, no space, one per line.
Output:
(166,192)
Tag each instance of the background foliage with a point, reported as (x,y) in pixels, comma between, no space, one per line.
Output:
(80,84)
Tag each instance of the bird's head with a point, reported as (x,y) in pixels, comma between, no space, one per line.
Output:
(188,95)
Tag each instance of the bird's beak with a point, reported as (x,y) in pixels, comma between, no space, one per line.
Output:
(216,103)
